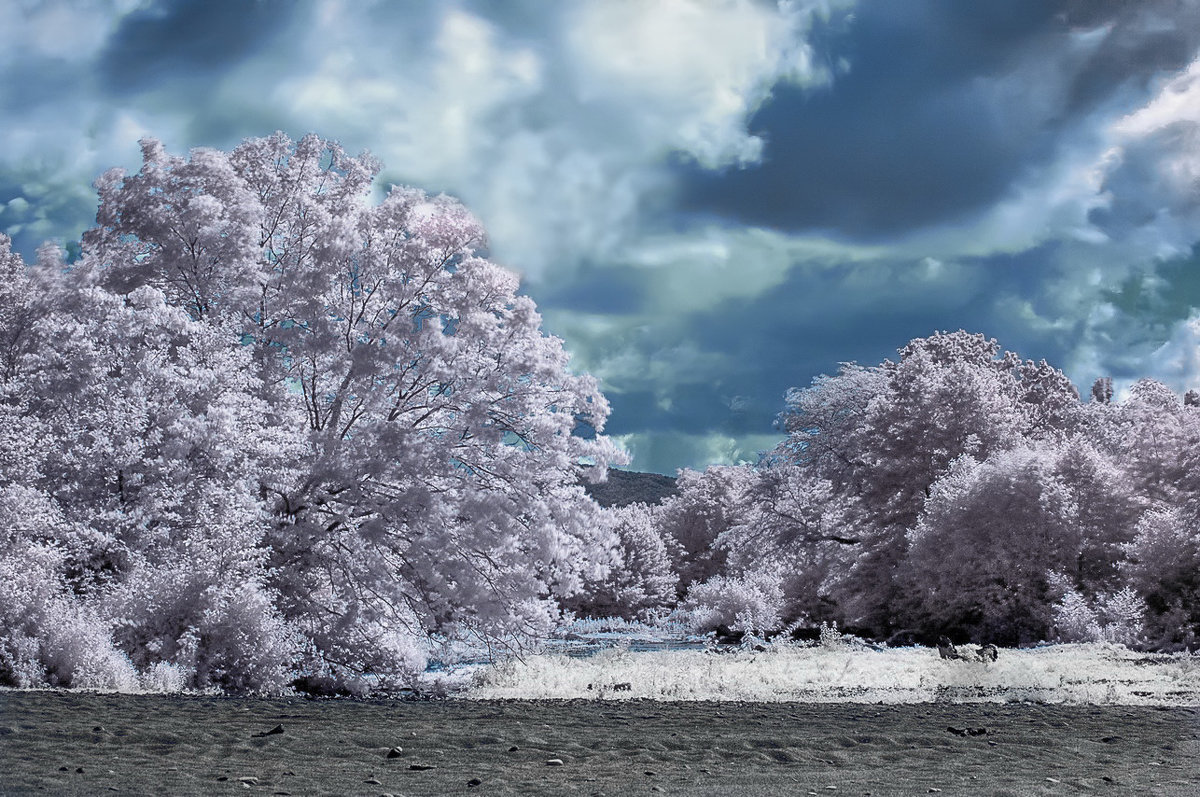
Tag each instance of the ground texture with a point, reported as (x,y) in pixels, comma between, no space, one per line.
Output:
(79,743)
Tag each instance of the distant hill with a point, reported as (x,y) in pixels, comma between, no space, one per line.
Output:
(626,487)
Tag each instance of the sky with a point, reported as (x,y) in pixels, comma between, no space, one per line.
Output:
(711,201)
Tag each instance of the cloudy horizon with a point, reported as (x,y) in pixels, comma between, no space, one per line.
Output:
(710,202)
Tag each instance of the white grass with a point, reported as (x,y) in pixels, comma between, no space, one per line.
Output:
(1068,674)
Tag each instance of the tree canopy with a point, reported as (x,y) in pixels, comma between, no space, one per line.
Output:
(258,393)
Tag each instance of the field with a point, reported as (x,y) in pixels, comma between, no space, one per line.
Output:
(1119,723)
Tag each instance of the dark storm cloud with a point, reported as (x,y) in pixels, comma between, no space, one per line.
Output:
(1009,167)
(1141,38)
(819,317)
(944,106)
(192,40)
(904,138)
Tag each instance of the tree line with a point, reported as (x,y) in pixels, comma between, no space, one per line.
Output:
(958,490)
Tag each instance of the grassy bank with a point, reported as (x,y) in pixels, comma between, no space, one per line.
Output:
(1063,674)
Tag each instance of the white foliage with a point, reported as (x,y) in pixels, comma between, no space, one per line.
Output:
(47,636)
(638,580)
(751,602)
(289,431)
(989,532)
(1164,568)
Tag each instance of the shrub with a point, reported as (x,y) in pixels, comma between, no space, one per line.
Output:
(639,580)
(752,602)
(49,636)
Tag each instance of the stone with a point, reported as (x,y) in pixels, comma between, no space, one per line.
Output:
(555,762)
(278,729)
(395,752)
(474,782)
(968,731)
(421,767)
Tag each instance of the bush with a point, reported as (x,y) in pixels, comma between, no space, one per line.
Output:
(639,580)
(749,603)
(49,636)
(215,627)
(1164,568)
(1111,617)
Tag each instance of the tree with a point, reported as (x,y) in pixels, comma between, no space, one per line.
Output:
(884,437)
(980,559)
(303,431)
(707,505)
(1164,567)
(797,528)
(638,580)
(826,425)
(1153,433)
(155,453)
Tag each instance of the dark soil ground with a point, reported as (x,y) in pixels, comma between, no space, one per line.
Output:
(94,744)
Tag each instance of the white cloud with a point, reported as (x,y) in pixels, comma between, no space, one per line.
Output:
(1154,166)
(1177,362)
(696,69)
(701,268)
(666,451)
(1177,100)
(557,136)
(64,30)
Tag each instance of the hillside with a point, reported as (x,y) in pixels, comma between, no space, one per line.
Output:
(630,487)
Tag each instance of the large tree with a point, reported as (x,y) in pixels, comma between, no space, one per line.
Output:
(992,533)
(884,436)
(350,379)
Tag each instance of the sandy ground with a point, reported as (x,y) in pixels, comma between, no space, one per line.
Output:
(79,743)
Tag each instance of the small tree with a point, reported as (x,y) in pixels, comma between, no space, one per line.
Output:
(691,522)
(991,531)
(1164,568)
(638,580)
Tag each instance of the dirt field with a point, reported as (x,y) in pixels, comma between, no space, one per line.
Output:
(73,743)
